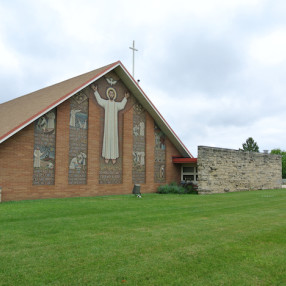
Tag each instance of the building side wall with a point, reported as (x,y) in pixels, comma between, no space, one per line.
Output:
(16,153)
(224,170)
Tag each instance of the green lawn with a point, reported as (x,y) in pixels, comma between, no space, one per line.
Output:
(224,239)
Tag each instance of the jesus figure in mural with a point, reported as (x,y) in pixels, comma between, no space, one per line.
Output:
(110,149)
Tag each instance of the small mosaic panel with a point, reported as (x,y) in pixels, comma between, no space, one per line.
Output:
(160,156)
(44,149)
(138,170)
(78,139)
(110,173)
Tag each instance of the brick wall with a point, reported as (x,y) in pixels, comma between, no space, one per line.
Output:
(224,170)
(16,153)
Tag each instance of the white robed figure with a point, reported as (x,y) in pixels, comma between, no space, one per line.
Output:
(110,149)
(51,120)
(37,158)
(74,163)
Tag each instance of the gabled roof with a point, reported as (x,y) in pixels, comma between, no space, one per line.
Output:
(20,112)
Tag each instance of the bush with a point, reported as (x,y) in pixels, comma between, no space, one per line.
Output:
(283,154)
(173,188)
(191,189)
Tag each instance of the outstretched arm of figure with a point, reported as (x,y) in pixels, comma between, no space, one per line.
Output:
(94,87)
(97,96)
(122,103)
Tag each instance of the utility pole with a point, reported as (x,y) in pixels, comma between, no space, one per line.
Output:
(134,50)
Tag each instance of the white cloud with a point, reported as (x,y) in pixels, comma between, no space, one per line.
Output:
(8,59)
(214,68)
(269,49)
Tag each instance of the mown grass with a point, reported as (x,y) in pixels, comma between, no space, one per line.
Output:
(224,239)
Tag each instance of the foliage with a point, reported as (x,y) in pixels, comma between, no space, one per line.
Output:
(283,154)
(173,188)
(170,189)
(250,145)
(221,239)
(191,188)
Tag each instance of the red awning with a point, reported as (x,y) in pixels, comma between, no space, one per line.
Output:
(180,160)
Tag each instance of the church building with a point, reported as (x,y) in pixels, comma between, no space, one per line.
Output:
(94,134)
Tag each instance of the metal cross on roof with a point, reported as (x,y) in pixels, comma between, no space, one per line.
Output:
(134,50)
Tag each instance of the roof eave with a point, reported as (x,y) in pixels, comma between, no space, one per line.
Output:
(135,90)
(143,99)
(180,160)
(56,103)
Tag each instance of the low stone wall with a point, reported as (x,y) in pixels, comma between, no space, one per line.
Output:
(225,170)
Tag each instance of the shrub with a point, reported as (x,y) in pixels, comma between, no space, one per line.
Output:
(191,189)
(283,154)
(173,188)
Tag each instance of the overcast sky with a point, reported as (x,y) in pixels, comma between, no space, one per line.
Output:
(215,69)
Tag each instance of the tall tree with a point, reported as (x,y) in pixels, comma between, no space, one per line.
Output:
(283,154)
(250,145)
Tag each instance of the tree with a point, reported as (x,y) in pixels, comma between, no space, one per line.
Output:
(283,154)
(250,145)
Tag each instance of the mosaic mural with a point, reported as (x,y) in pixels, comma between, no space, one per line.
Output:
(78,139)
(160,156)
(114,99)
(138,170)
(44,149)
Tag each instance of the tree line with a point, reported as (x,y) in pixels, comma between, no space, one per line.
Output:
(252,146)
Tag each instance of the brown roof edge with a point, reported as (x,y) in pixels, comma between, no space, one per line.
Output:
(128,80)
(55,103)
(158,115)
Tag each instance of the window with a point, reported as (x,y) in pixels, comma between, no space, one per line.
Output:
(188,169)
(189,173)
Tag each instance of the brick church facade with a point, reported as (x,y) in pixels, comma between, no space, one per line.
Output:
(95,134)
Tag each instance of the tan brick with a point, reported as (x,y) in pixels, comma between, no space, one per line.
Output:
(16,153)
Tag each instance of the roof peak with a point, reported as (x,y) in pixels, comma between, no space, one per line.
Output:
(29,107)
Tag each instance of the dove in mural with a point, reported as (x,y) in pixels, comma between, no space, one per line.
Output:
(111,81)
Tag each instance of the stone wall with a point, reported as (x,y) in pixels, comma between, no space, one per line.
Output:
(225,170)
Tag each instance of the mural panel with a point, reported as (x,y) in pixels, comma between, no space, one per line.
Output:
(114,99)
(160,156)
(44,149)
(78,139)
(138,170)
